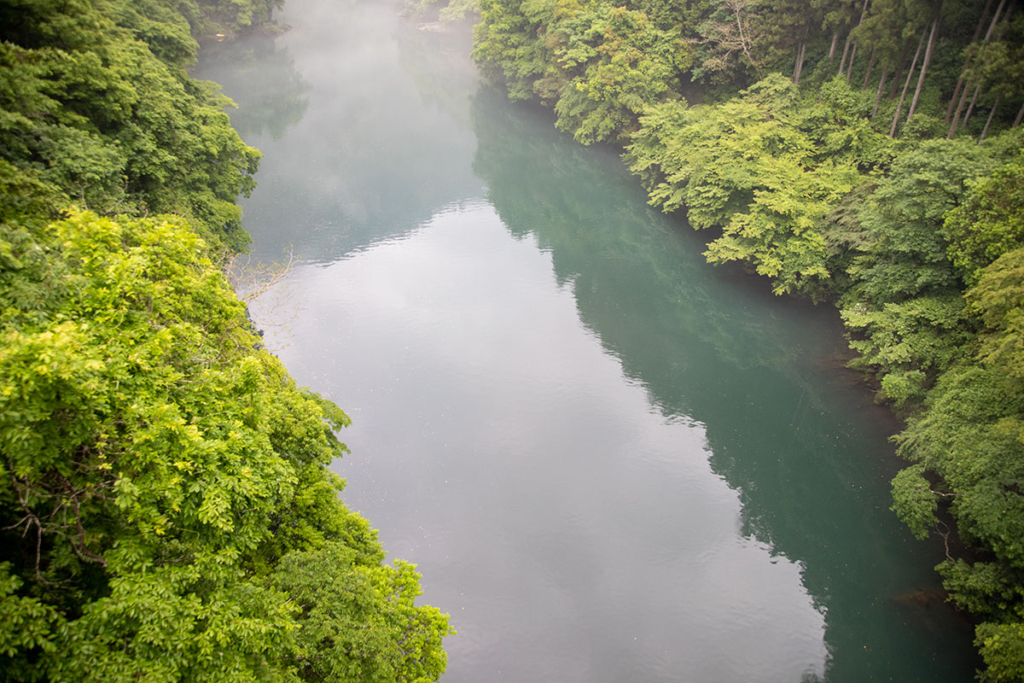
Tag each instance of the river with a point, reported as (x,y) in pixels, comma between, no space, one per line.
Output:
(610,461)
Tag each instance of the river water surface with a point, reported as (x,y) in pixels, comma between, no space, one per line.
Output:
(610,461)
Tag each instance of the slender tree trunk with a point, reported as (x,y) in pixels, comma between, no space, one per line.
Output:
(871,65)
(835,41)
(878,95)
(967,60)
(853,53)
(924,68)
(1020,116)
(988,34)
(995,19)
(984,18)
(799,63)
(899,71)
(991,114)
(906,86)
(846,51)
(863,12)
(959,110)
(970,107)
(956,91)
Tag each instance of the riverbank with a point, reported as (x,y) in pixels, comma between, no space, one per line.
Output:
(167,511)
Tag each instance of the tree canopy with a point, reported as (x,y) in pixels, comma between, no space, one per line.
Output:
(167,511)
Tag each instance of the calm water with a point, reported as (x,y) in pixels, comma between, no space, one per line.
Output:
(610,461)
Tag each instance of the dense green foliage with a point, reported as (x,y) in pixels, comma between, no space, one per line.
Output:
(759,167)
(102,111)
(864,151)
(167,511)
(227,17)
(447,11)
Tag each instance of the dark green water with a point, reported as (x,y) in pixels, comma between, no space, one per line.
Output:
(610,461)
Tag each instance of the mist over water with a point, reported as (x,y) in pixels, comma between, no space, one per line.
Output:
(609,460)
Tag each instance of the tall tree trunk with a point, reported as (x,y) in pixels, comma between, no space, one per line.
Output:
(970,107)
(799,62)
(967,60)
(956,92)
(988,34)
(899,71)
(846,51)
(835,41)
(984,18)
(849,68)
(991,114)
(995,19)
(871,65)
(906,85)
(1020,116)
(959,110)
(878,95)
(924,68)
(963,96)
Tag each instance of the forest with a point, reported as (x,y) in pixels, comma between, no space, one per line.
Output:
(861,152)
(166,511)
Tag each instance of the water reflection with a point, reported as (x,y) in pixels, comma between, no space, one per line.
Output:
(261,77)
(807,454)
(610,461)
(436,60)
(381,145)
(575,532)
